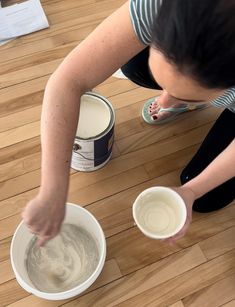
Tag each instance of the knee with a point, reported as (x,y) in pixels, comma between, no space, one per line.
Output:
(128,70)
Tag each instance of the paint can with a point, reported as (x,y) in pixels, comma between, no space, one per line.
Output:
(94,138)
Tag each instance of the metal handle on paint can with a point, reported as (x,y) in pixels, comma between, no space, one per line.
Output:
(76,147)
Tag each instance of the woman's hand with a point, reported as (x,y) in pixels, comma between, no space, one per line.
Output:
(189,197)
(43,215)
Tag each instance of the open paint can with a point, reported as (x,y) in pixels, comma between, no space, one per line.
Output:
(94,139)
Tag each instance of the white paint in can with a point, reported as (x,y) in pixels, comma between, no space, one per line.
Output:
(95,133)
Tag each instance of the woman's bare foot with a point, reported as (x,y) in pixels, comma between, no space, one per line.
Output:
(164,101)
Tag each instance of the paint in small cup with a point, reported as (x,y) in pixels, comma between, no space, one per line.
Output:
(159,212)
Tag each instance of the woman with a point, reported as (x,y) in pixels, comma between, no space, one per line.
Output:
(189,47)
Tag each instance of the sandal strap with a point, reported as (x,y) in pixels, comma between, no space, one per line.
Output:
(174,110)
(182,109)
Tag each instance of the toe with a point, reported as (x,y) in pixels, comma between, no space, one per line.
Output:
(160,116)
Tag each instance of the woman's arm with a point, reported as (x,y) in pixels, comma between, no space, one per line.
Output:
(221,169)
(105,50)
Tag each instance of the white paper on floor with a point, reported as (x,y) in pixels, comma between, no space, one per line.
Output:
(20,19)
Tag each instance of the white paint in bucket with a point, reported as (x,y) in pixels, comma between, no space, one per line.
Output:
(75,215)
(95,133)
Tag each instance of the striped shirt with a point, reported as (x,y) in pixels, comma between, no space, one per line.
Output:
(142,14)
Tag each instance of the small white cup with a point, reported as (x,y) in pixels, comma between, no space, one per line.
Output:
(159,212)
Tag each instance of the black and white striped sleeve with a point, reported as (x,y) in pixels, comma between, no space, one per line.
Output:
(227,100)
(142,14)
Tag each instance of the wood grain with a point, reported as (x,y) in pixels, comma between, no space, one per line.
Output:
(116,292)
(110,273)
(200,269)
(214,295)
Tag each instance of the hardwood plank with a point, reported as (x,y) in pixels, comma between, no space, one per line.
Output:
(200,269)
(14,105)
(20,166)
(131,116)
(20,150)
(214,295)
(174,143)
(33,114)
(130,112)
(50,7)
(66,21)
(21,118)
(115,88)
(133,257)
(95,192)
(210,225)
(27,95)
(8,226)
(156,168)
(10,292)
(136,134)
(19,184)
(21,90)
(6,271)
(229,304)
(5,249)
(118,217)
(91,11)
(219,244)
(177,304)
(108,187)
(47,43)
(113,218)
(110,273)
(60,6)
(168,163)
(29,73)
(33,61)
(132,96)
(22,96)
(19,134)
(143,280)
(187,283)
(115,166)
(15,205)
(114,212)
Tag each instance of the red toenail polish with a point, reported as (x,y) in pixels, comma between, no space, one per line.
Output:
(154,117)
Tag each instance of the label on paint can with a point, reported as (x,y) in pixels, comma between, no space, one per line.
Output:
(95,133)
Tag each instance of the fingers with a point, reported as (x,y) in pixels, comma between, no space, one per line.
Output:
(179,235)
(43,240)
(170,241)
(45,234)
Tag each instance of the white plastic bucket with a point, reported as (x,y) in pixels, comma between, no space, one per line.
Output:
(74,215)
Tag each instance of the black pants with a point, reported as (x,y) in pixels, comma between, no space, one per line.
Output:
(219,137)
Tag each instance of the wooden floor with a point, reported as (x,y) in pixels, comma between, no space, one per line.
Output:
(200,270)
